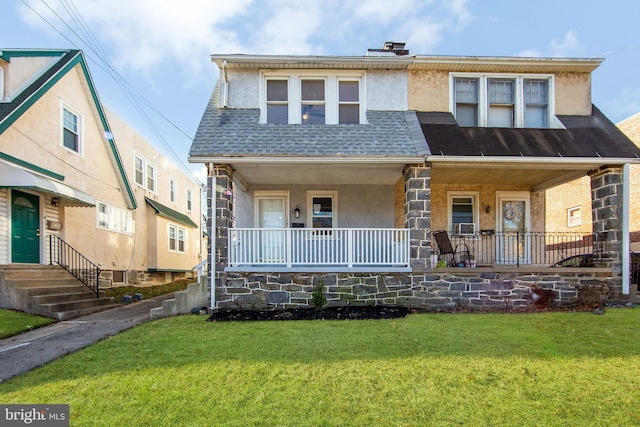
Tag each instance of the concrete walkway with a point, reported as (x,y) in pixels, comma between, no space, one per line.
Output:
(21,353)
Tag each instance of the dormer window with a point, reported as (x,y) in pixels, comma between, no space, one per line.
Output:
(309,98)
(502,101)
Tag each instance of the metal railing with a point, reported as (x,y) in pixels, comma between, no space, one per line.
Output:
(348,247)
(75,263)
(520,248)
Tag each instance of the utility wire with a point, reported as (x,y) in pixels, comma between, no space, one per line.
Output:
(133,95)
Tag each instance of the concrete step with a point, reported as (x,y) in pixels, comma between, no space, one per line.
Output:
(54,290)
(34,271)
(52,298)
(42,283)
(59,307)
(72,314)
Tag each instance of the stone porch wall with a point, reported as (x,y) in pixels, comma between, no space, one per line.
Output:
(434,291)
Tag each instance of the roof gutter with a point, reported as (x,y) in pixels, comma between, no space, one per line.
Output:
(303,159)
(523,159)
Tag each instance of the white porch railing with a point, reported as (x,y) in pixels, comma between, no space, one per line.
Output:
(313,247)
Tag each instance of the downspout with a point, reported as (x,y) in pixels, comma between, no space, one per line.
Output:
(213,238)
(625,229)
(225,85)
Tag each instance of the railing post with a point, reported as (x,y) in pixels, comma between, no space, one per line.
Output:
(518,248)
(289,247)
(350,248)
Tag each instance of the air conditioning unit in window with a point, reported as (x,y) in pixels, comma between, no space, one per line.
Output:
(464,228)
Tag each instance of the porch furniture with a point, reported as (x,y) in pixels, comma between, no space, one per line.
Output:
(446,248)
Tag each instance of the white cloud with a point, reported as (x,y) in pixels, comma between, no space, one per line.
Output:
(569,46)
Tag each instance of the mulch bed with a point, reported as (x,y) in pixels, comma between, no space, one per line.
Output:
(329,313)
(376,312)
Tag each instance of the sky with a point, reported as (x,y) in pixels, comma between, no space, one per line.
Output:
(150,59)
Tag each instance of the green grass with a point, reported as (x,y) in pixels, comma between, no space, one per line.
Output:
(147,291)
(15,322)
(546,369)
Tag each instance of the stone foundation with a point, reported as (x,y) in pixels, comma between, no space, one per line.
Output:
(443,289)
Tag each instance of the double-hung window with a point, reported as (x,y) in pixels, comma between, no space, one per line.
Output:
(277,101)
(494,100)
(177,238)
(71,129)
(463,212)
(466,99)
(172,189)
(145,173)
(322,208)
(501,103)
(536,102)
(348,102)
(189,200)
(310,98)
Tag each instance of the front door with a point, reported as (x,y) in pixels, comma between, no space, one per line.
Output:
(513,242)
(25,228)
(271,219)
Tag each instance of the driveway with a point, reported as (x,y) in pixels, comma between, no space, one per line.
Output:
(21,353)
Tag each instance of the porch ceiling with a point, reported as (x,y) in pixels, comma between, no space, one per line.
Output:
(535,176)
(323,174)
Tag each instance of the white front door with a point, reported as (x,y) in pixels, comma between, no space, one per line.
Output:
(271,218)
(513,243)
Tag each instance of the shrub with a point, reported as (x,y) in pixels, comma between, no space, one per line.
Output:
(594,295)
(318,300)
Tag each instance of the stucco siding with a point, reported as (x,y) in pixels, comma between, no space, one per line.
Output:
(4,226)
(386,90)
(573,94)
(359,206)
(429,90)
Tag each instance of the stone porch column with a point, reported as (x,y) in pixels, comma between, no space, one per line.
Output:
(607,211)
(219,212)
(417,187)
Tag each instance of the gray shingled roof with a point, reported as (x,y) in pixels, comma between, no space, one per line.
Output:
(236,132)
(592,136)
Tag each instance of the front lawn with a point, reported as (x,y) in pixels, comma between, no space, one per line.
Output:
(15,322)
(543,369)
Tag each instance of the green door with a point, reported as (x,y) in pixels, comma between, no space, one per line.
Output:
(25,228)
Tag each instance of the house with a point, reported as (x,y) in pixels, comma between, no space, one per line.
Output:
(67,187)
(336,171)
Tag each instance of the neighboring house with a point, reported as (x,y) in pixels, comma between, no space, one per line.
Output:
(335,171)
(73,171)
(569,205)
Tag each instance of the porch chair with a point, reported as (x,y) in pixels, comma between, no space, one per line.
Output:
(446,248)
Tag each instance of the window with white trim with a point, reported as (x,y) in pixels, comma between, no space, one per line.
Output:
(312,98)
(189,200)
(495,100)
(113,218)
(322,208)
(172,189)
(463,212)
(145,173)
(177,238)
(71,129)
(574,216)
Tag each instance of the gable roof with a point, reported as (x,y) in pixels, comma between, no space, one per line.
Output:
(167,212)
(11,111)
(238,133)
(592,136)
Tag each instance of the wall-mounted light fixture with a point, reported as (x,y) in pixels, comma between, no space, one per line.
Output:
(487,209)
(296,212)
(55,201)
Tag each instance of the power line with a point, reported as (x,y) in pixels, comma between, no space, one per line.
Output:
(128,90)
